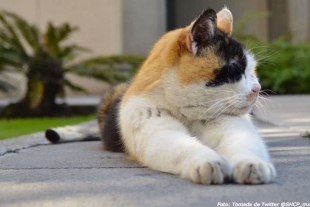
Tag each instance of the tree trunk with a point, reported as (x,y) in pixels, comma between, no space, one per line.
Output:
(45,83)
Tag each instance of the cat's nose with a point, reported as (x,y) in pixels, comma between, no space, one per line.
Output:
(256,88)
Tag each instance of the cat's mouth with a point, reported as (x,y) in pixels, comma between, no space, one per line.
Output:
(244,108)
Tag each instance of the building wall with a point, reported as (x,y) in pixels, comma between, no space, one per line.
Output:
(144,21)
(298,20)
(99,21)
(187,10)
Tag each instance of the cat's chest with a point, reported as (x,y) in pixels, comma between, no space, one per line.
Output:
(208,132)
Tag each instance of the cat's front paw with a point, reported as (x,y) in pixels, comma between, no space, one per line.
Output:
(254,172)
(208,170)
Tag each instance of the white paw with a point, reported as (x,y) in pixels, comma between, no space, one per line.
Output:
(254,172)
(208,170)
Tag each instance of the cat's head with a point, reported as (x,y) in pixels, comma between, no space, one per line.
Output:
(215,73)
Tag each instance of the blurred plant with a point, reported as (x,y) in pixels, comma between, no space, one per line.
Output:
(45,58)
(284,67)
(6,66)
(240,27)
(287,69)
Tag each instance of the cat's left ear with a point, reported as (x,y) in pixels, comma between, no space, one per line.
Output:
(202,31)
(225,21)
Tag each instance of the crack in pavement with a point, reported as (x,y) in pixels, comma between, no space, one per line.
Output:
(17,150)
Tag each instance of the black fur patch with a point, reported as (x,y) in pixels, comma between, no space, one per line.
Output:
(232,53)
(111,134)
(204,28)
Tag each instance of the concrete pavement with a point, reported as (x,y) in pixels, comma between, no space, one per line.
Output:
(35,173)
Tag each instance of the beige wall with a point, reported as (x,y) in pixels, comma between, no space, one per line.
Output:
(100,23)
(144,22)
(298,11)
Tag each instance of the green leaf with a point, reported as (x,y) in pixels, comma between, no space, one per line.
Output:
(10,58)
(73,86)
(9,33)
(54,36)
(112,69)
(29,32)
(97,73)
(70,52)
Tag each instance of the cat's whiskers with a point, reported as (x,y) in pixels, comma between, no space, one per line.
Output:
(233,110)
(219,105)
(222,107)
(214,98)
(205,104)
(260,107)
(257,46)
(218,102)
(236,107)
(261,97)
(267,103)
(266,50)
(263,59)
(268,90)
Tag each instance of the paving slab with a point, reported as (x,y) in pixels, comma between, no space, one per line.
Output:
(291,112)
(82,174)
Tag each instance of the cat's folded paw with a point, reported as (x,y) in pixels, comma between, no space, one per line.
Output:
(206,170)
(254,172)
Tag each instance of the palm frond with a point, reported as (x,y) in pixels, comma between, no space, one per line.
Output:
(112,69)
(134,61)
(73,86)
(98,73)
(30,33)
(64,30)
(8,32)
(70,52)
(56,35)
(10,58)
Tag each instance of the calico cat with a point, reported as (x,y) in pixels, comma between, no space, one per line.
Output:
(186,110)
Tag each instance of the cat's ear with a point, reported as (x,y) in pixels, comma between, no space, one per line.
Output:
(225,21)
(202,30)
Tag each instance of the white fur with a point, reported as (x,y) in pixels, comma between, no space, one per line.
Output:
(201,134)
(225,14)
(74,133)
(194,47)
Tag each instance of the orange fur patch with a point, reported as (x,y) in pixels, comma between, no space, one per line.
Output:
(194,69)
(250,96)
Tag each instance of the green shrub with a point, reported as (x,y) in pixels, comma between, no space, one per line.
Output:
(286,70)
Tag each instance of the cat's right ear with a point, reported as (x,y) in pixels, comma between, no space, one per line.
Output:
(202,31)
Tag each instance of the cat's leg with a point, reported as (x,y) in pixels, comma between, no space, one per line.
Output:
(244,147)
(240,143)
(161,142)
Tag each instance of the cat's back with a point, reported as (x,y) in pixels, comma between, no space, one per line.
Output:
(162,56)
